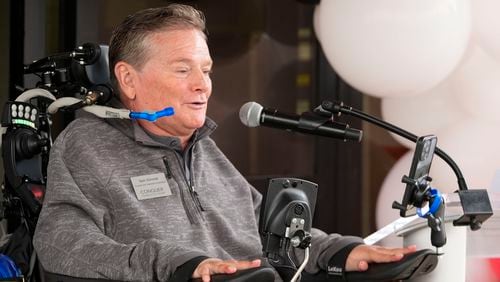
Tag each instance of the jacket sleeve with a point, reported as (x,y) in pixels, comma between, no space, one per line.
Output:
(323,248)
(257,202)
(70,237)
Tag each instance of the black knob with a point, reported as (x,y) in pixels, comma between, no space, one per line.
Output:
(299,209)
(398,206)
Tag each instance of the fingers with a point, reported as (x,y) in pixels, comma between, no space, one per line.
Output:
(393,251)
(362,255)
(410,249)
(385,257)
(240,265)
(388,255)
(204,269)
(213,266)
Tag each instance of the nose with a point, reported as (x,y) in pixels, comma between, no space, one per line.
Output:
(200,81)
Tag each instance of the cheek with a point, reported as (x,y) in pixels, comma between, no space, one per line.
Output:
(155,94)
(209,87)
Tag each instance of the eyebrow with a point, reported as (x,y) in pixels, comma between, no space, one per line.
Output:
(188,61)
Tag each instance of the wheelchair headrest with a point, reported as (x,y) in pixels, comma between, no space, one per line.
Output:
(92,67)
(98,72)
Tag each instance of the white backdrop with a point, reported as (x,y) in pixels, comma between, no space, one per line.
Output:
(436,66)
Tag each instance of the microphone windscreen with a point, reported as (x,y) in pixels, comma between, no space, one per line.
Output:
(250,114)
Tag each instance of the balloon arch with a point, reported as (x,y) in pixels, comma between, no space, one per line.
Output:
(435,65)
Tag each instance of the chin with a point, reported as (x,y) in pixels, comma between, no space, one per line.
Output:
(199,124)
(199,121)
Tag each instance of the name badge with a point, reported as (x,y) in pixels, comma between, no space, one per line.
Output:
(150,186)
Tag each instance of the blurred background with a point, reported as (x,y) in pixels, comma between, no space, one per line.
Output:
(429,66)
(264,51)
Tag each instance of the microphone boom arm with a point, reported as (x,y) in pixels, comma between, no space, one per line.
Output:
(475,203)
(338,108)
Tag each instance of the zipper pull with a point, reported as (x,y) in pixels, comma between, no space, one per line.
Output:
(197,199)
(167,167)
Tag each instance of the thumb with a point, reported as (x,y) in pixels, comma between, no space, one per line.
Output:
(362,265)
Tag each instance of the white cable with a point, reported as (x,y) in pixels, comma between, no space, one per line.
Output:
(100,111)
(2,132)
(35,92)
(61,102)
(302,266)
(107,112)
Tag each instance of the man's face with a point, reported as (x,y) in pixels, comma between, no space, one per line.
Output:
(177,74)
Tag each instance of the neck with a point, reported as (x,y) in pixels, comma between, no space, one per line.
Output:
(152,128)
(184,142)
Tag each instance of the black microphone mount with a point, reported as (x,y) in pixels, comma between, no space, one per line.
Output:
(475,203)
(86,54)
(70,73)
(253,114)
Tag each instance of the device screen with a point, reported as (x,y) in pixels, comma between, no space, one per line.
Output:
(419,170)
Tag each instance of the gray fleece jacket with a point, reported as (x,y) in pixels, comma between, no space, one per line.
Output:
(93,225)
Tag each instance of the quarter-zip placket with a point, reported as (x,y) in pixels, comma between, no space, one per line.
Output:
(188,165)
(183,162)
(167,167)
(194,194)
(189,214)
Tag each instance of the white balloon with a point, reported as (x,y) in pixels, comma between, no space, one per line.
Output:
(316,24)
(473,145)
(391,48)
(476,83)
(392,189)
(423,114)
(485,23)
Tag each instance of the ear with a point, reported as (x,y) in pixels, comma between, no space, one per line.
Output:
(124,74)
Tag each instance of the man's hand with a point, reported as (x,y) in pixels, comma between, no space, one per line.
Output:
(362,255)
(217,266)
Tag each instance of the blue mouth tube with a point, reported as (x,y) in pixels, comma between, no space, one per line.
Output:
(169,111)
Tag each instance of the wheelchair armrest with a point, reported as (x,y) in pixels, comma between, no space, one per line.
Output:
(261,274)
(53,277)
(413,265)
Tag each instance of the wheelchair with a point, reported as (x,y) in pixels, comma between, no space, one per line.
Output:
(68,81)
(80,79)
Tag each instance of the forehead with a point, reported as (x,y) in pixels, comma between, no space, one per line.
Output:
(175,43)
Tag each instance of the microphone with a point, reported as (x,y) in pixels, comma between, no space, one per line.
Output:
(253,114)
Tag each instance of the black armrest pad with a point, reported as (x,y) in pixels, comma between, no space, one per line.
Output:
(53,277)
(261,274)
(413,265)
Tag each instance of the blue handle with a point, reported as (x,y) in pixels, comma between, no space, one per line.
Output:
(169,111)
(435,203)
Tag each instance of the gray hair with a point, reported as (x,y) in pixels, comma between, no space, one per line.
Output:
(128,40)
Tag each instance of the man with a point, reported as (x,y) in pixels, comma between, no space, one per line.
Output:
(156,201)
